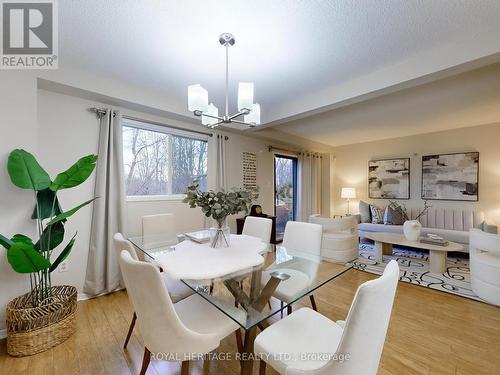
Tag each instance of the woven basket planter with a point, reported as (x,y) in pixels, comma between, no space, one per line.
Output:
(32,330)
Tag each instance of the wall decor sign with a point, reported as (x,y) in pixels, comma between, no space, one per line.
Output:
(451,176)
(389,179)
(249,170)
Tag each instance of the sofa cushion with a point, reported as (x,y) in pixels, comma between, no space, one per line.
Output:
(368,227)
(364,212)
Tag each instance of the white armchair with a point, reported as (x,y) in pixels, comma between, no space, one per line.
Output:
(340,242)
(485,265)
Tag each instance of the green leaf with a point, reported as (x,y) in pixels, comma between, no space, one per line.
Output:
(67,214)
(25,172)
(76,174)
(5,242)
(56,237)
(21,238)
(64,254)
(45,199)
(25,259)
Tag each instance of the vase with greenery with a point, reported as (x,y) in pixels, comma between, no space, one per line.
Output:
(34,257)
(218,206)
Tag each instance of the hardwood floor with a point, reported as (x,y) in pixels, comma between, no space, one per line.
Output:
(430,333)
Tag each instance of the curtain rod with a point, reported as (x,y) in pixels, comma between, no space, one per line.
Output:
(314,154)
(101,112)
(271,148)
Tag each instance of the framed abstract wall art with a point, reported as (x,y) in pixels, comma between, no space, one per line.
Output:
(389,179)
(451,176)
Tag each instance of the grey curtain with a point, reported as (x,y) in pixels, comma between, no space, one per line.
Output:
(309,185)
(103,273)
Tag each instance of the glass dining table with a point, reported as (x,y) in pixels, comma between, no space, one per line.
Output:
(244,295)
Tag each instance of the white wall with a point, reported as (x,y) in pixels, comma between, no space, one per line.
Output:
(18,130)
(351,165)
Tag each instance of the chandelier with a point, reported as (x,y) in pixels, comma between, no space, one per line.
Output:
(198,99)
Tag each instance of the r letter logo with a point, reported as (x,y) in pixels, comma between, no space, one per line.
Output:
(29,34)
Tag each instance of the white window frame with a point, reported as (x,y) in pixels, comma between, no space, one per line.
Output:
(169,131)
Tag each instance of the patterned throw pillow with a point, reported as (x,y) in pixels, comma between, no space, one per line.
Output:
(377,215)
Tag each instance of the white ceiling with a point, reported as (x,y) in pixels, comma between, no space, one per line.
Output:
(302,55)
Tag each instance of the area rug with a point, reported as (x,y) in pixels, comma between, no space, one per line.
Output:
(414,269)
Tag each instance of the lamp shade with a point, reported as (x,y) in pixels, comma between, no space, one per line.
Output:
(245,95)
(348,193)
(254,116)
(212,111)
(197,98)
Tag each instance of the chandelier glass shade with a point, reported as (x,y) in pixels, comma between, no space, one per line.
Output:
(198,99)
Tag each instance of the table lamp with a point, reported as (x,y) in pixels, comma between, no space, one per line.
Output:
(348,193)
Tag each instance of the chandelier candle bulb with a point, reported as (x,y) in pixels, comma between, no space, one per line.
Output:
(197,98)
(254,116)
(245,96)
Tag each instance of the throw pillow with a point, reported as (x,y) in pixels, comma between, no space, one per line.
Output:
(393,216)
(377,215)
(364,212)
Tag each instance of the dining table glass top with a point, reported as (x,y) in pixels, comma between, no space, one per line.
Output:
(243,294)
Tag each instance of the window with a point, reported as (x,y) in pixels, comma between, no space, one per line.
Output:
(159,161)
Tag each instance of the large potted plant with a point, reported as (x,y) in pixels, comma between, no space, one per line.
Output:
(219,205)
(45,316)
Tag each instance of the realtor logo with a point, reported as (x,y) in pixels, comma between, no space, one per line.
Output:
(29,34)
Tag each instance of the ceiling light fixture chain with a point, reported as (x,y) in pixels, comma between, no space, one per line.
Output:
(209,113)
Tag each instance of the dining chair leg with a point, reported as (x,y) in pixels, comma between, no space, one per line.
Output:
(212,287)
(206,364)
(131,328)
(282,304)
(288,309)
(313,303)
(145,361)
(185,368)
(269,304)
(239,340)
(262,367)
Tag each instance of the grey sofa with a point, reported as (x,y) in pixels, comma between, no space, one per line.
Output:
(453,225)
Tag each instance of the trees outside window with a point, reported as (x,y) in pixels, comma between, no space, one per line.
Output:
(159,163)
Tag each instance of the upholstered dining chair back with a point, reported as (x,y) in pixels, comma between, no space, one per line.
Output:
(259,227)
(366,324)
(159,324)
(303,237)
(159,229)
(121,243)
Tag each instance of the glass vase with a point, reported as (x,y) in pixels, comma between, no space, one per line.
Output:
(219,234)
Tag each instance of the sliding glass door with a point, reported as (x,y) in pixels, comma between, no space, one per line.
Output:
(285,191)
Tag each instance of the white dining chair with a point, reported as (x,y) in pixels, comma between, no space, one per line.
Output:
(308,343)
(159,229)
(176,288)
(485,265)
(259,227)
(187,329)
(304,239)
